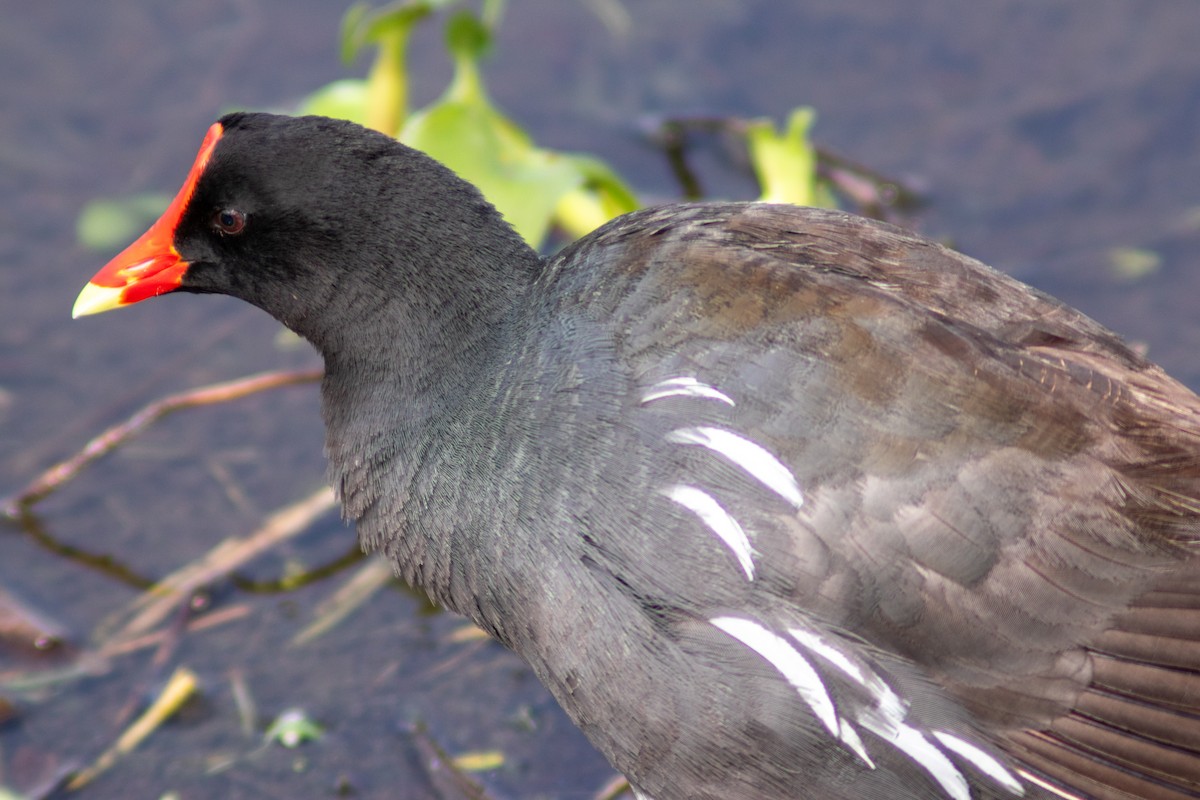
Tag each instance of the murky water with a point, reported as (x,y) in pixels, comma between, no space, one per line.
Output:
(1048,135)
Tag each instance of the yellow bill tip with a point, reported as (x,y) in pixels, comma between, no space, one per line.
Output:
(94,299)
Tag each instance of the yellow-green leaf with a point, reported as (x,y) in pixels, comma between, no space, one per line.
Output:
(479,761)
(293,728)
(111,223)
(344,99)
(603,196)
(386,105)
(1133,263)
(786,163)
(532,187)
(521,181)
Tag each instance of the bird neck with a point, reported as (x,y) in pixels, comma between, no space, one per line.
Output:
(403,399)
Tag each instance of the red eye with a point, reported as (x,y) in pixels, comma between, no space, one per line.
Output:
(229,221)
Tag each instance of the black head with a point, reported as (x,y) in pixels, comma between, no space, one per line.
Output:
(312,218)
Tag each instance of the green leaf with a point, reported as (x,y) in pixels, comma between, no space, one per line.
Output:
(531,186)
(467,36)
(386,104)
(361,26)
(485,149)
(492,12)
(603,196)
(786,163)
(351,39)
(111,223)
(480,761)
(1133,263)
(293,728)
(344,99)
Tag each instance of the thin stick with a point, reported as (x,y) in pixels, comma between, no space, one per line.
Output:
(157,602)
(179,688)
(210,620)
(52,479)
(94,663)
(363,585)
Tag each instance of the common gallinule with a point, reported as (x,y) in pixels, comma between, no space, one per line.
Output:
(778,502)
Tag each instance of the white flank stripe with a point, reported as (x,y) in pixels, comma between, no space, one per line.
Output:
(785,658)
(891,706)
(1049,787)
(887,721)
(986,763)
(718,521)
(932,760)
(830,653)
(751,457)
(852,740)
(684,387)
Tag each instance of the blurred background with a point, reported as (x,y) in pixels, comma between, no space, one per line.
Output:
(1057,141)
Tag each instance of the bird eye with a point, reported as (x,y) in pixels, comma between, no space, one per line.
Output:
(229,221)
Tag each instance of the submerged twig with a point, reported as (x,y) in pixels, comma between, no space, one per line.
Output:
(875,194)
(87,665)
(372,577)
(92,663)
(164,653)
(25,626)
(52,479)
(616,788)
(179,688)
(448,780)
(243,701)
(155,639)
(103,563)
(292,581)
(158,602)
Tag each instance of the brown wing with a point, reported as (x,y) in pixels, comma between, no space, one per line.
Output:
(999,488)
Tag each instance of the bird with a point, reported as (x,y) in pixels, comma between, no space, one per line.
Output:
(777,502)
